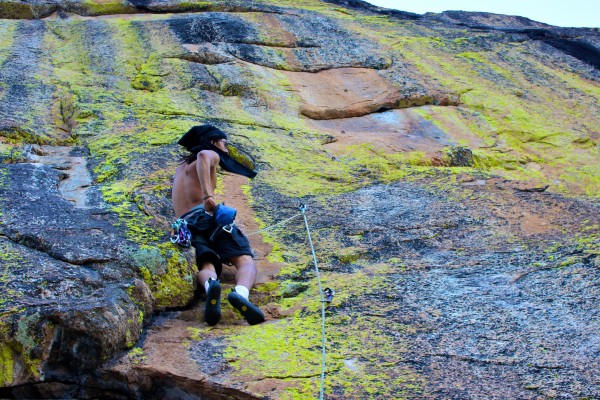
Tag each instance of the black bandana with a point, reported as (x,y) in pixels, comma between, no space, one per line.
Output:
(199,138)
(203,133)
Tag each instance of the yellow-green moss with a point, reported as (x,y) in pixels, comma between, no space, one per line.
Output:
(104,7)
(195,5)
(27,342)
(14,356)
(138,230)
(120,127)
(513,121)
(290,349)
(7,31)
(74,76)
(9,259)
(173,286)
(241,157)
(588,240)
(351,254)
(6,365)
(137,356)
(7,362)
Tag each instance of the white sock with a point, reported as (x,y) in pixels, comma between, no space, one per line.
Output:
(207,284)
(242,291)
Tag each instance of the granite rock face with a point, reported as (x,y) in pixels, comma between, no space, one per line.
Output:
(448,162)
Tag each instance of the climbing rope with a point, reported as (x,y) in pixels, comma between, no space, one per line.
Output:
(326,296)
(275,225)
(323,301)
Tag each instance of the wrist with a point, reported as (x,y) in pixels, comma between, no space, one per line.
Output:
(207,197)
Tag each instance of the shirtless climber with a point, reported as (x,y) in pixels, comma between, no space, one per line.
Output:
(194,200)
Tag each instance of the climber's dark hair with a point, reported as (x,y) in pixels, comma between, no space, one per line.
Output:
(187,157)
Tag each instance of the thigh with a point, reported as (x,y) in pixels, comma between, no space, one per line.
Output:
(202,226)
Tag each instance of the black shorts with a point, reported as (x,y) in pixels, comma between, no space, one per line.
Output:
(212,243)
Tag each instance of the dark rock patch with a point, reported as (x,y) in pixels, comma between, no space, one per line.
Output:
(159,6)
(62,266)
(213,28)
(40,218)
(24,94)
(312,47)
(483,20)
(365,6)
(208,354)
(567,40)
(27,10)
(487,316)
(460,157)
(581,50)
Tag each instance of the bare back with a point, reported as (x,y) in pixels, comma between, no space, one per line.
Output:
(193,182)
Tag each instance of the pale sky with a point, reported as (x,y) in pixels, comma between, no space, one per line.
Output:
(570,13)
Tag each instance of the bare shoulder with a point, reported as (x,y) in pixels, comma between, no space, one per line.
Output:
(185,168)
(209,155)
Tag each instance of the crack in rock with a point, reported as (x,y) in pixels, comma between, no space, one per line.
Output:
(76,179)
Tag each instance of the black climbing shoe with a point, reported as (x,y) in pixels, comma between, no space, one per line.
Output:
(212,309)
(251,313)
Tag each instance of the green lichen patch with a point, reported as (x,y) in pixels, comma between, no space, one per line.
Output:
(7,32)
(363,358)
(16,362)
(136,356)
(105,7)
(525,131)
(16,10)
(11,261)
(6,365)
(523,119)
(120,196)
(123,129)
(149,76)
(11,153)
(7,357)
(19,136)
(588,240)
(303,168)
(168,274)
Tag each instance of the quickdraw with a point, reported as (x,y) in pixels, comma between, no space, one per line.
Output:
(328,295)
(180,233)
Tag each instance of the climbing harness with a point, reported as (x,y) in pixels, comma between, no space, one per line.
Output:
(224,217)
(180,233)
